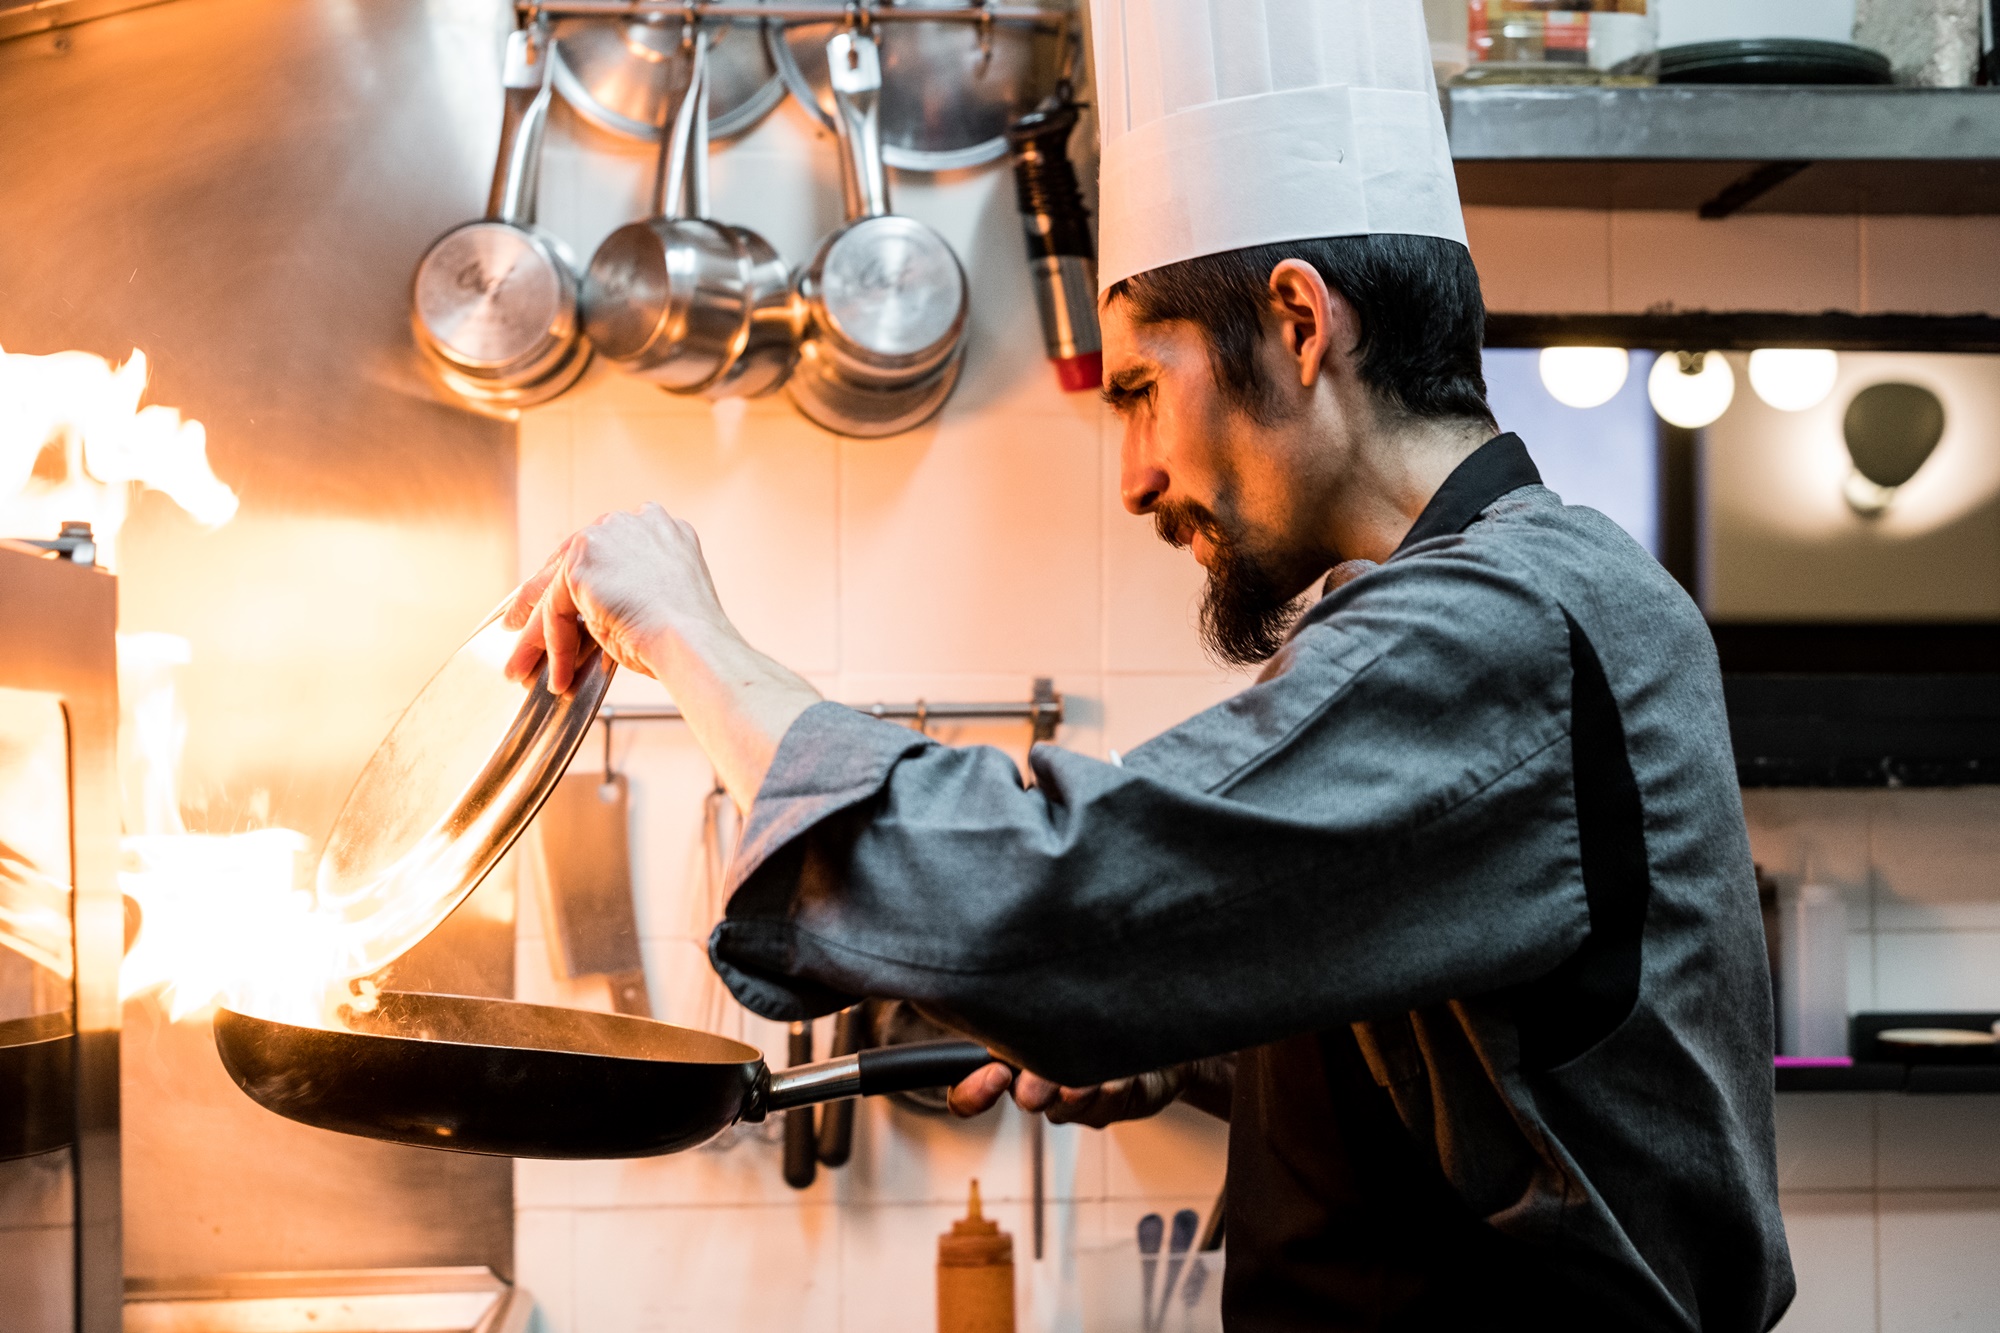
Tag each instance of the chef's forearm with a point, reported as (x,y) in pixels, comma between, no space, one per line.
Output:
(737,701)
(1207,1085)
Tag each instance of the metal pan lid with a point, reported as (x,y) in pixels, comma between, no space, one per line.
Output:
(447,792)
(608,70)
(949,89)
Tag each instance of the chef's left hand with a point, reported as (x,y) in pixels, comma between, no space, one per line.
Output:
(631,580)
(1099,1105)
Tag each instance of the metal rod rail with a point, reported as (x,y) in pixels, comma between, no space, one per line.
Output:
(862,12)
(1043,713)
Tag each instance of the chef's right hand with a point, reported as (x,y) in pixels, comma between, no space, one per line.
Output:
(1098,1105)
(626,580)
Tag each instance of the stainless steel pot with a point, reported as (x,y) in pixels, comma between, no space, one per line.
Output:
(884,297)
(494,302)
(694,305)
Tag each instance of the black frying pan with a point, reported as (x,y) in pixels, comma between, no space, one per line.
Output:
(528,1080)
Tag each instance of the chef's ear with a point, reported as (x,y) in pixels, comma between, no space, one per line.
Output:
(1313,319)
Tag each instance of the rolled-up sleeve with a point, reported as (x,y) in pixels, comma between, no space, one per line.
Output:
(1385,822)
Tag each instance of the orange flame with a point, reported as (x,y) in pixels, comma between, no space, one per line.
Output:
(223,916)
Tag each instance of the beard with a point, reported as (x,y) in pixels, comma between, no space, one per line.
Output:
(1246,614)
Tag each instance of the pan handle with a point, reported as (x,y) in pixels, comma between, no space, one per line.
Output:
(924,1064)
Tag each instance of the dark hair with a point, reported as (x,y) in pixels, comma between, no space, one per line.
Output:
(1422,320)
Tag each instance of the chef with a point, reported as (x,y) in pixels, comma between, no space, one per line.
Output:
(1451,915)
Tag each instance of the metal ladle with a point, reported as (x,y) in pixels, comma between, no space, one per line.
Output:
(694,305)
(494,302)
(884,298)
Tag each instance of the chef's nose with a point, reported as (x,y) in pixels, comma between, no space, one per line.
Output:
(1141,483)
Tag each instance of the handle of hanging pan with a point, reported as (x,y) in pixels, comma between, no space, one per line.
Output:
(801,1136)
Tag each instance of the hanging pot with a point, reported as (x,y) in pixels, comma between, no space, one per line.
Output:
(494,302)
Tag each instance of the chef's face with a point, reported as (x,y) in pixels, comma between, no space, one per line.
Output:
(1231,487)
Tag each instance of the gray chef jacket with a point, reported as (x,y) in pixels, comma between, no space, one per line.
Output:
(1464,881)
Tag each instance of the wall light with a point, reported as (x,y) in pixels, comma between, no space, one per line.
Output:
(1691,389)
(1891,430)
(1584,376)
(1793,379)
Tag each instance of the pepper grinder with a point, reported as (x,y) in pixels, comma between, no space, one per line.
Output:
(975,1275)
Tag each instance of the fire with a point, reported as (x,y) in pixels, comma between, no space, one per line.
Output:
(75,444)
(224,916)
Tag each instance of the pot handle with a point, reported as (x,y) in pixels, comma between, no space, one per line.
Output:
(854,67)
(680,184)
(517,171)
(923,1064)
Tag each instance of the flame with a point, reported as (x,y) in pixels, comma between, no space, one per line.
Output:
(75,444)
(223,917)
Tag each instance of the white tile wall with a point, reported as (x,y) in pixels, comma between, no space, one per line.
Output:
(963,559)
(1892,1202)
(1589,261)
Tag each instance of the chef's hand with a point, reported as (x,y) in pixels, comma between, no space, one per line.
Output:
(1099,1105)
(637,584)
(629,580)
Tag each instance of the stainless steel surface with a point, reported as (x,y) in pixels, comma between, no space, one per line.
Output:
(1845,150)
(493,303)
(584,833)
(1725,124)
(448,791)
(610,70)
(810,1084)
(172,178)
(382,1300)
(950,88)
(884,299)
(62,1260)
(32,16)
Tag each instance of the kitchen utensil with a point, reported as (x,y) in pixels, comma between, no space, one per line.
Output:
(584,831)
(801,1140)
(836,1122)
(1152,1228)
(694,305)
(525,1080)
(608,69)
(951,87)
(1936,1038)
(494,302)
(1062,261)
(1197,1282)
(1186,1223)
(447,792)
(1213,1229)
(37,1085)
(1773,60)
(884,298)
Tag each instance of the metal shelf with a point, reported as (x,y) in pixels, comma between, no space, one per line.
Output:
(1723,150)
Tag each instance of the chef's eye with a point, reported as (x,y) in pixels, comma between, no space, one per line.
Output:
(1122,398)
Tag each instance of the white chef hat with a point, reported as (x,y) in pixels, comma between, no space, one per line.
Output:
(1232,123)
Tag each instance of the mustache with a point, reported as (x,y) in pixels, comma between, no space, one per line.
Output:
(1178,522)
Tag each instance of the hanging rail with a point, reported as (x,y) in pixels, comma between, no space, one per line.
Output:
(862,13)
(1043,712)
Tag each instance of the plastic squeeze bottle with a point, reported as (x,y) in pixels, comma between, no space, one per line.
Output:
(975,1275)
